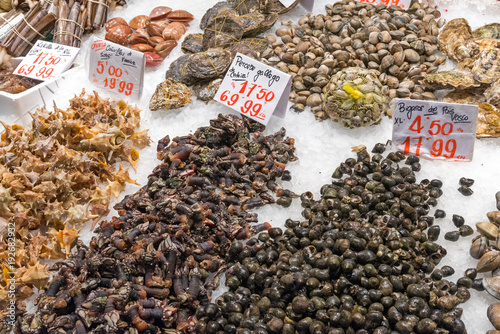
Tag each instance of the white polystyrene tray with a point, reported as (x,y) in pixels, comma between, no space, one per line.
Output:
(14,108)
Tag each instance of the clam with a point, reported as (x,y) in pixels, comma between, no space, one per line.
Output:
(140,21)
(119,34)
(136,38)
(154,29)
(489,261)
(173,31)
(155,40)
(494,315)
(117,21)
(159,13)
(164,48)
(492,285)
(142,47)
(478,247)
(180,16)
(489,230)
(494,217)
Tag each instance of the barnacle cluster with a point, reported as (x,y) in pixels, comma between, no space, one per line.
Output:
(148,269)
(56,175)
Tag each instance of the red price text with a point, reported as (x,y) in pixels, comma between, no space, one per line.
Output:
(252,106)
(112,80)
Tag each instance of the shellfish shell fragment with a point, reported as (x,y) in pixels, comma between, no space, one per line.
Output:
(170,94)
(159,13)
(489,230)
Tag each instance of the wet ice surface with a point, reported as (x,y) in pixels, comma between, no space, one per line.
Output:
(322,146)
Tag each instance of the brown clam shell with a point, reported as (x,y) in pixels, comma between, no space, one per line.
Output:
(155,40)
(164,48)
(142,47)
(154,29)
(162,23)
(159,13)
(180,15)
(136,38)
(117,21)
(143,32)
(174,31)
(140,21)
(119,34)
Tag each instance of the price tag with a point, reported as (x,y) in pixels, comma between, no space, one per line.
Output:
(46,60)
(405,4)
(116,68)
(435,130)
(307,4)
(255,89)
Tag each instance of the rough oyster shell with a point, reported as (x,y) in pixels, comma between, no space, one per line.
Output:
(355,97)
(488,121)
(223,31)
(492,94)
(255,23)
(170,94)
(213,12)
(486,68)
(458,79)
(456,41)
(206,91)
(487,43)
(491,30)
(192,43)
(205,66)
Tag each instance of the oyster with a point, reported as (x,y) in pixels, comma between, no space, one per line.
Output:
(355,97)
(173,71)
(459,79)
(487,43)
(204,66)
(486,68)
(224,30)
(255,23)
(213,13)
(206,91)
(170,94)
(491,30)
(492,94)
(455,40)
(275,6)
(192,43)
(488,121)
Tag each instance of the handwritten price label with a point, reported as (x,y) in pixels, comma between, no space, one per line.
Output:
(401,3)
(435,130)
(46,61)
(255,89)
(116,68)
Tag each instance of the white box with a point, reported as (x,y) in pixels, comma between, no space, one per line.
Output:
(14,107)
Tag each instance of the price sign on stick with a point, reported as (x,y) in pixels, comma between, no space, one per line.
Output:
(255,89)
(405,4)
(307,4)
(435,130)
(46,61)
(116,68)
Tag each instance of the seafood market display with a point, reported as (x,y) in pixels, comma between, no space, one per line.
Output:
(156,35)
(397,46)
(360,261)
(210,240)
(150,268)
(59,173)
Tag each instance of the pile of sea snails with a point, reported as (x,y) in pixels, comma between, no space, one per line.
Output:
(359,262)
(486,248)
(399,47)
(148,269)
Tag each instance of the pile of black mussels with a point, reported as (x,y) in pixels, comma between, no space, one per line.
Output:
(360,262)
(150,268)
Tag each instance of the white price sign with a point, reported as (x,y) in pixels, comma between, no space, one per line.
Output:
(405,4)
(255,89)
(435,130)
(307,4)
(46,60)
(116,68)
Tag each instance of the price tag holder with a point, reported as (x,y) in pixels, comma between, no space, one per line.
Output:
(435,130)
(255,89)
(46,61)
(307,4)
(405,4)
(116,68)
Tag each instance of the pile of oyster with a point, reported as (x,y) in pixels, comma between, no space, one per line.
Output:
(229,27)
(397,46)
(475,80)
(56,175)
(155,34)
